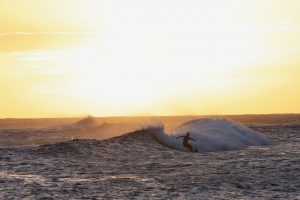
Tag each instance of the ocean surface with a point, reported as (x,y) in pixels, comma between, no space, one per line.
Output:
(238,157)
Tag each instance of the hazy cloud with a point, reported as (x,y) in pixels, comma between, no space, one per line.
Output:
(32,41)
(47,33)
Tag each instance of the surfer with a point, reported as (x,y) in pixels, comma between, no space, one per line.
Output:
(185,143)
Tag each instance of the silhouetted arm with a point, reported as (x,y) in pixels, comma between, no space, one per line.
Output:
(179,137)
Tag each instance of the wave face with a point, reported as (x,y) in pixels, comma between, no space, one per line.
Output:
(212,135)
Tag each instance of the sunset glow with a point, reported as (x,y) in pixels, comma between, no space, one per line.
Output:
(69,58)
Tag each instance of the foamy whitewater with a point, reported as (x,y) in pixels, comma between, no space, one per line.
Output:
(212,135)
(92,159)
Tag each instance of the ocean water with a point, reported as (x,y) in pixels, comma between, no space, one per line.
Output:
(239,157)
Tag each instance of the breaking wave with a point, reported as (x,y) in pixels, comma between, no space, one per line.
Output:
(209,135)
(212,135)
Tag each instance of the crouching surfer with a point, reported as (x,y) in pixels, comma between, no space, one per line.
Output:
(186,143)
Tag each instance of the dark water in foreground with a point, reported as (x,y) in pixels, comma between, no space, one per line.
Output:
(134,166)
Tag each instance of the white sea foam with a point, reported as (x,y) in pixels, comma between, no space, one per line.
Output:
(212,135)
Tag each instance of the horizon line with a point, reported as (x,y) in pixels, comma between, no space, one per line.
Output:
(136,116)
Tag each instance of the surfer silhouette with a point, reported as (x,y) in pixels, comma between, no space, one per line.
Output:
(186,143)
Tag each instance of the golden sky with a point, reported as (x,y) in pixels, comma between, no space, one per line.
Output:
(159,57)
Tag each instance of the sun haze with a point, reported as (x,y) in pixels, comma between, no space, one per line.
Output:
(171,57)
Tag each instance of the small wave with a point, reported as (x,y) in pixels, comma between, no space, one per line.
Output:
(38,136)
(77,126)
(69,148)
(89,121)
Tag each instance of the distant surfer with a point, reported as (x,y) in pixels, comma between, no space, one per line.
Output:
(186,143)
